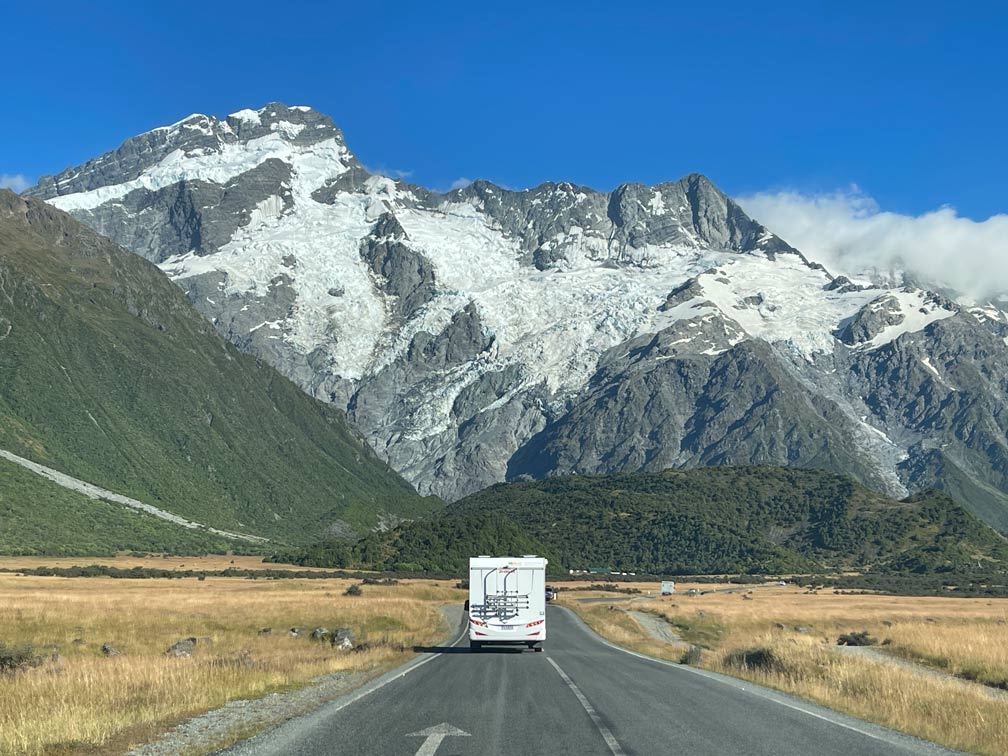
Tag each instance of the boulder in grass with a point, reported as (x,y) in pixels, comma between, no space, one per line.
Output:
(182,648)
(108,649)
(266,631)
(320,634)
(295,632)
(692,656)
(343,639)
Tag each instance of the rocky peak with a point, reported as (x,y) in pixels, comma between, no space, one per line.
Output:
(299,124)
(196,136)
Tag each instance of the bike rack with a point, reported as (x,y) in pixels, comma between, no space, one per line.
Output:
(504,605)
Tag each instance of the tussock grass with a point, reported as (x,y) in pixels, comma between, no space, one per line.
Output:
(620,628)
(947,711)
(85,702)
(785,638)
(972,650)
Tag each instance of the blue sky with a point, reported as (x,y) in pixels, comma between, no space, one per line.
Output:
(907,100)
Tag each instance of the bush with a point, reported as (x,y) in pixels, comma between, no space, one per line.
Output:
(14,658)
(353,590)
(856,639)
(758,659)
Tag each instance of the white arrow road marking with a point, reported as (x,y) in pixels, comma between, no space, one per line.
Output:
(604,731)
(434,736)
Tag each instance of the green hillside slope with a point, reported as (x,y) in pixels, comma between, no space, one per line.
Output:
(108,374)
(704,521)
(40,517)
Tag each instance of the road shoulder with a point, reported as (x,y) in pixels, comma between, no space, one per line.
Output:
(862,727)
(242,719)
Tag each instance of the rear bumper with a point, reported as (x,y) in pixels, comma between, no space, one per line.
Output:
(521,635)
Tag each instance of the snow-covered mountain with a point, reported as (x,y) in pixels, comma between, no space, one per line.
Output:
(487,334)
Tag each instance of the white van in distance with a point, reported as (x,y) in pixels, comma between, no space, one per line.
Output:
(507,601)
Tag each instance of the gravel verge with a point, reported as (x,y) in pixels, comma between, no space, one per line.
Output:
(243,718)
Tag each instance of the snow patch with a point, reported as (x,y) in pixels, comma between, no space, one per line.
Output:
(787,302)
(919,310)
(265,211)
(325,159)
(248,116)
(290,130)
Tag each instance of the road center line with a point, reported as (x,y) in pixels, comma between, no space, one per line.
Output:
(604,731)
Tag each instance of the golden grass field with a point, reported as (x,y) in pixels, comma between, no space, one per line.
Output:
(209,563)
(965,637)
(84,702)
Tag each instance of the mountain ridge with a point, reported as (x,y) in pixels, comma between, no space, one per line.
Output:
(109,375)
(464,331)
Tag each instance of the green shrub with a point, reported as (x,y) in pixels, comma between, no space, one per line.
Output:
(14,658)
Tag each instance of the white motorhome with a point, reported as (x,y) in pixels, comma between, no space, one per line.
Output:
(667,587)
(507,601)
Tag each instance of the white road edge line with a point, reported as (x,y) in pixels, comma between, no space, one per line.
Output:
(604,731)
(757,690)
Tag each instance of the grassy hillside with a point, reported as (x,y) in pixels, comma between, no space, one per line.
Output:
(108,374)
(708,520)
(40,517)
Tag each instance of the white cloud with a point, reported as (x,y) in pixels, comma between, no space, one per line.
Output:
(395,173)
(848,233)
(459,183)
(16,182)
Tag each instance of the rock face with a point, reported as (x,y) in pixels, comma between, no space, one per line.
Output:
(487,334)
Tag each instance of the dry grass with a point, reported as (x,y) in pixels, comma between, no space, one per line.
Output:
(957,714)
(620,628)
(210,563)
(971,650)
(795,634)
(85,702)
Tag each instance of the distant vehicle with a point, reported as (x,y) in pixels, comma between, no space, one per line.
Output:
(507,601)
(551,593)
(667,587)
(692,592)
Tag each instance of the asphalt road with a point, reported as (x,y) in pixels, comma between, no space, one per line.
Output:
(581,696)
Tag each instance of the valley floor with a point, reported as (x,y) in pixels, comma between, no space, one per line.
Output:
(939,669)
(84,660)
